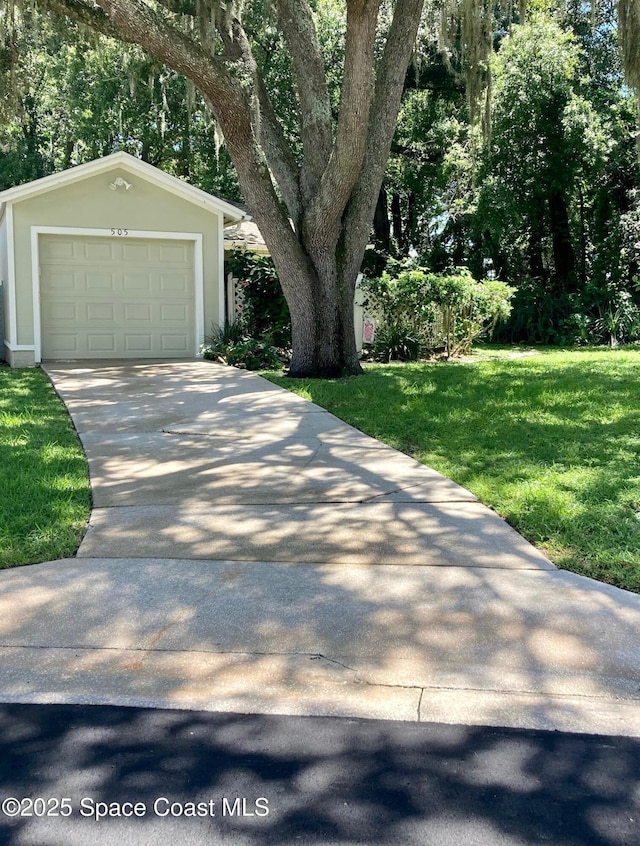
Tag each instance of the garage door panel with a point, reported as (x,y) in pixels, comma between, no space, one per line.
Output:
(62,249)
(137,313)
(97,281)
(65,312)
(138,282)
(100,249)
(63,344)
(100,312)
(120,298)
(174,344)
(174,253)
(174,283)
(100,344)
(62,280)
(173,313)
(135,252)
(138,343)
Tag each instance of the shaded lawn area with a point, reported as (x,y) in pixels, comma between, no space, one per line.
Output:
(550,441)
(44,483)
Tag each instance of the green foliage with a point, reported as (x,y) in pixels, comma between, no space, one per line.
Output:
(254,354)
(229,334)
(630,237)
(265,313)
(619,321)
(537,149)
(231,344)
(398,342)
(422,311)
(330,19)
(428,145)
(555,183)
(69,97)
(261,336)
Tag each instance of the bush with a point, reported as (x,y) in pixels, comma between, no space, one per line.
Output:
(253,354)
(265,313)
(423,312)
(618,321)
(230,344)
(541,316)
(397,343)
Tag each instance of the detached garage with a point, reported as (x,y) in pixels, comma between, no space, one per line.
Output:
(111,259)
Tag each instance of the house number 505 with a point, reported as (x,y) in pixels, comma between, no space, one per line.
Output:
(120,232)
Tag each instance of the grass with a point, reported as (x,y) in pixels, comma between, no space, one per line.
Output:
(44,483)
(551,441)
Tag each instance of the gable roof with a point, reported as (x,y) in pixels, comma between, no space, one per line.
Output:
(231,213)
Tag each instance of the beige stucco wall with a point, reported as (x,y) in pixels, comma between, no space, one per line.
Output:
(90,203)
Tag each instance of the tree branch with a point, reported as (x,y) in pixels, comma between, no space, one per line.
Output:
(348,151)
(382,122)
(299,30)
(135,22)
(278,152)
(268,130)
(83,13)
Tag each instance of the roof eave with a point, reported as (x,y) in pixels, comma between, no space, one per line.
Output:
(190,193)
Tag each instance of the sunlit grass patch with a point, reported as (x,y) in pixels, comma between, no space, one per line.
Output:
(44,484)
(550,440)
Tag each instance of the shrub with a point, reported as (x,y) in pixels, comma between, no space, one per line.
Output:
(230,344)
(598,314)
(397,343)
(265,313)
(435,312)
(254,354)
(228,334)
(618,320)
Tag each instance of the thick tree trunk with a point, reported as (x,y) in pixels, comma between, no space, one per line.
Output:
(320,303)
(321,308)
(583,240)
(410,228)
(534,252)
(323,337)
(535,240)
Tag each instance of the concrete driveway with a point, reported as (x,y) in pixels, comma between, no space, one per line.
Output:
(249,552)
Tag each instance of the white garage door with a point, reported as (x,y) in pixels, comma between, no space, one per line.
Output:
(116,297)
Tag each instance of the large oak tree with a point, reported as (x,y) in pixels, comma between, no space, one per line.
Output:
(313,199)
(314,203)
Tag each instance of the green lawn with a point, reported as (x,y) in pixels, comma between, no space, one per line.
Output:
(551,441)
(44,484)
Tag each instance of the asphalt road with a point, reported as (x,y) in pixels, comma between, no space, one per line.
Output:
(256,779)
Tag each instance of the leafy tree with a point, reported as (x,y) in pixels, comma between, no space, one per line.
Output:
(70,97)
(556,181)
(329,192)
(430,133)
(536,145)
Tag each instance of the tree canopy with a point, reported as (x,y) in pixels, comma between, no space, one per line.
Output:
(292,105)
